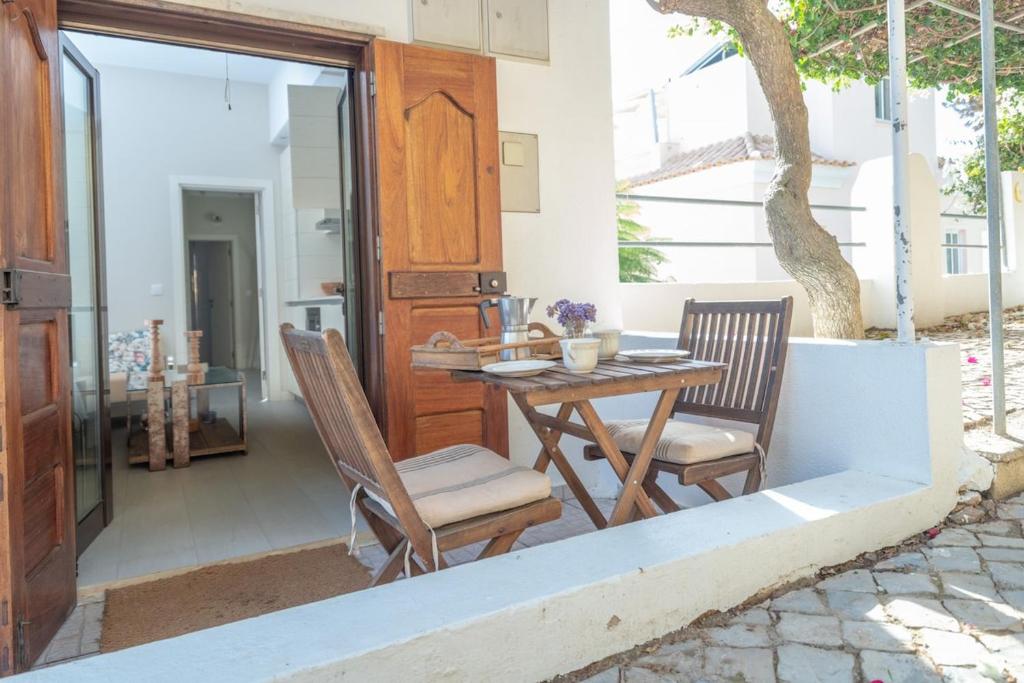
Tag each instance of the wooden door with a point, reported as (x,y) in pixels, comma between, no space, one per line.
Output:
(440,231)
(37,524)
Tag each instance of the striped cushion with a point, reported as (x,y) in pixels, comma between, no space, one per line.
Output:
(466,481)
(683,443)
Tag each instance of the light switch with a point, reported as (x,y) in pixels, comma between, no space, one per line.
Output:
(156,290)
(512,154)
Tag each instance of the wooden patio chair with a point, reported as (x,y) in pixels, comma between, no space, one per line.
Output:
(752,337)
(421,507)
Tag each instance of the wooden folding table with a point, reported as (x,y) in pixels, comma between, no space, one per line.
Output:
(573,392)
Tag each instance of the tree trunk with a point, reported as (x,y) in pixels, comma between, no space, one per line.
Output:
(804,249)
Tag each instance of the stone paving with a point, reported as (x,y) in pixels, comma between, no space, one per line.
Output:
(79,637)
(971,332)
(948,609)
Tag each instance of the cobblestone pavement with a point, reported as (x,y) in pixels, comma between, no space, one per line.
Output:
(950,609)
(971,332)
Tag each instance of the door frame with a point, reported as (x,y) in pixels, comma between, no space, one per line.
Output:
(266,253)
(160,21)
(232,242)
(92,524)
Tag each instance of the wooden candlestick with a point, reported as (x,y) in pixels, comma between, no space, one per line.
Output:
(156,359)
(195,367)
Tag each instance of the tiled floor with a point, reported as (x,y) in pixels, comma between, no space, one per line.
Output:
(79,637)
(284,493)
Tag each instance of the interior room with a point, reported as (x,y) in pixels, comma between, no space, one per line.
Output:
(225,184)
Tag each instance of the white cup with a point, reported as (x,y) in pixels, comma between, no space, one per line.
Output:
(609,343)
(580,355)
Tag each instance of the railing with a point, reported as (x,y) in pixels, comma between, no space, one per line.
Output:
(659,244)
(718,202)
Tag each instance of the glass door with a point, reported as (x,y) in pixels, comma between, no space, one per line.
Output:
(90,418)
(349,222)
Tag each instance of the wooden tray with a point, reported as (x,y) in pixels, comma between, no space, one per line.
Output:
(445,351)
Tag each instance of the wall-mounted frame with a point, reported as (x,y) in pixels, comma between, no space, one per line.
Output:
(510,29)
(518,28)
(448,23)
(520,172)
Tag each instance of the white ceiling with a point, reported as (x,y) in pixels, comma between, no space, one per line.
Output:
(138,54)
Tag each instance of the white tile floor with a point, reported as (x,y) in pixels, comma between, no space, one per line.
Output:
(283,493)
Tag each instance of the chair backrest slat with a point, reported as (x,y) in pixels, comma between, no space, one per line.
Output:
(751,337)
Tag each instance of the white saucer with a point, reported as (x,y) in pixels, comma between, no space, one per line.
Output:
(654,355)
(519,368)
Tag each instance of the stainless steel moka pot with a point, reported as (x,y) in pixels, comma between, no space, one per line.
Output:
(514,313)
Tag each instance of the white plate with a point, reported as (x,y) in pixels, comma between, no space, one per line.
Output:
(654,355)
(519,368)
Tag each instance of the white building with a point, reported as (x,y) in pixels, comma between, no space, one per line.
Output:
(708,135)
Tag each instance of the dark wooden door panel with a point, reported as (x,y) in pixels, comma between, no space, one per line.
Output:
(37,549)
(440,229)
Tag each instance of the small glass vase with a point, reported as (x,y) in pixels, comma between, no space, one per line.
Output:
(577,329)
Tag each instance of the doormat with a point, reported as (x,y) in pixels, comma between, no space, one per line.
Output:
(222,593)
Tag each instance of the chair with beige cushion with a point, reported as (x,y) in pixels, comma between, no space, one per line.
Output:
(751,337)
(421,507)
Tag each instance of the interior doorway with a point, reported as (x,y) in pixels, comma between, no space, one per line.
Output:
(224,273)
(211,277)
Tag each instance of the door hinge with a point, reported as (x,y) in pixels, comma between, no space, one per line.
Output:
(380,323)
(21,648)
(1,488)
(373,84)
(10,287)
(379,248)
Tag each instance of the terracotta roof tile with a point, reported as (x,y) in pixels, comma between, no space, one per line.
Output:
(744,147)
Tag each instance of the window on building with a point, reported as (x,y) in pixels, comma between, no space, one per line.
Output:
(956,257)
(883,102)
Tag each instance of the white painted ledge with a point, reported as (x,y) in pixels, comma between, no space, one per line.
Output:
(544,610)
(867,441)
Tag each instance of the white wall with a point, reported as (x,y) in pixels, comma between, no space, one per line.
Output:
(157,125)
(658,307)
(237,223)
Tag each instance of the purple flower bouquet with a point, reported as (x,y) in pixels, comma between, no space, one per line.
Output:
(574,316)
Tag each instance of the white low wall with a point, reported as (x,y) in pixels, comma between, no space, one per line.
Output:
(659,306)
(876,424)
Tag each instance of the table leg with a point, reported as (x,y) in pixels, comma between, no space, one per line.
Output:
(157,435)
(633,483)
(550,452)
(637,496)
(543,459)
(202,402)
(179,423)
(243,417)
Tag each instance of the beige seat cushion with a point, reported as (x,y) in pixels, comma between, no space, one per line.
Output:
(462,482)
(683,443)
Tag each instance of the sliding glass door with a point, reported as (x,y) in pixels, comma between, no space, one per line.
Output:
(90,417)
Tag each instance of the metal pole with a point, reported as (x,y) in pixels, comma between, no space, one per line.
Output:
(900,155)
(994,209)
